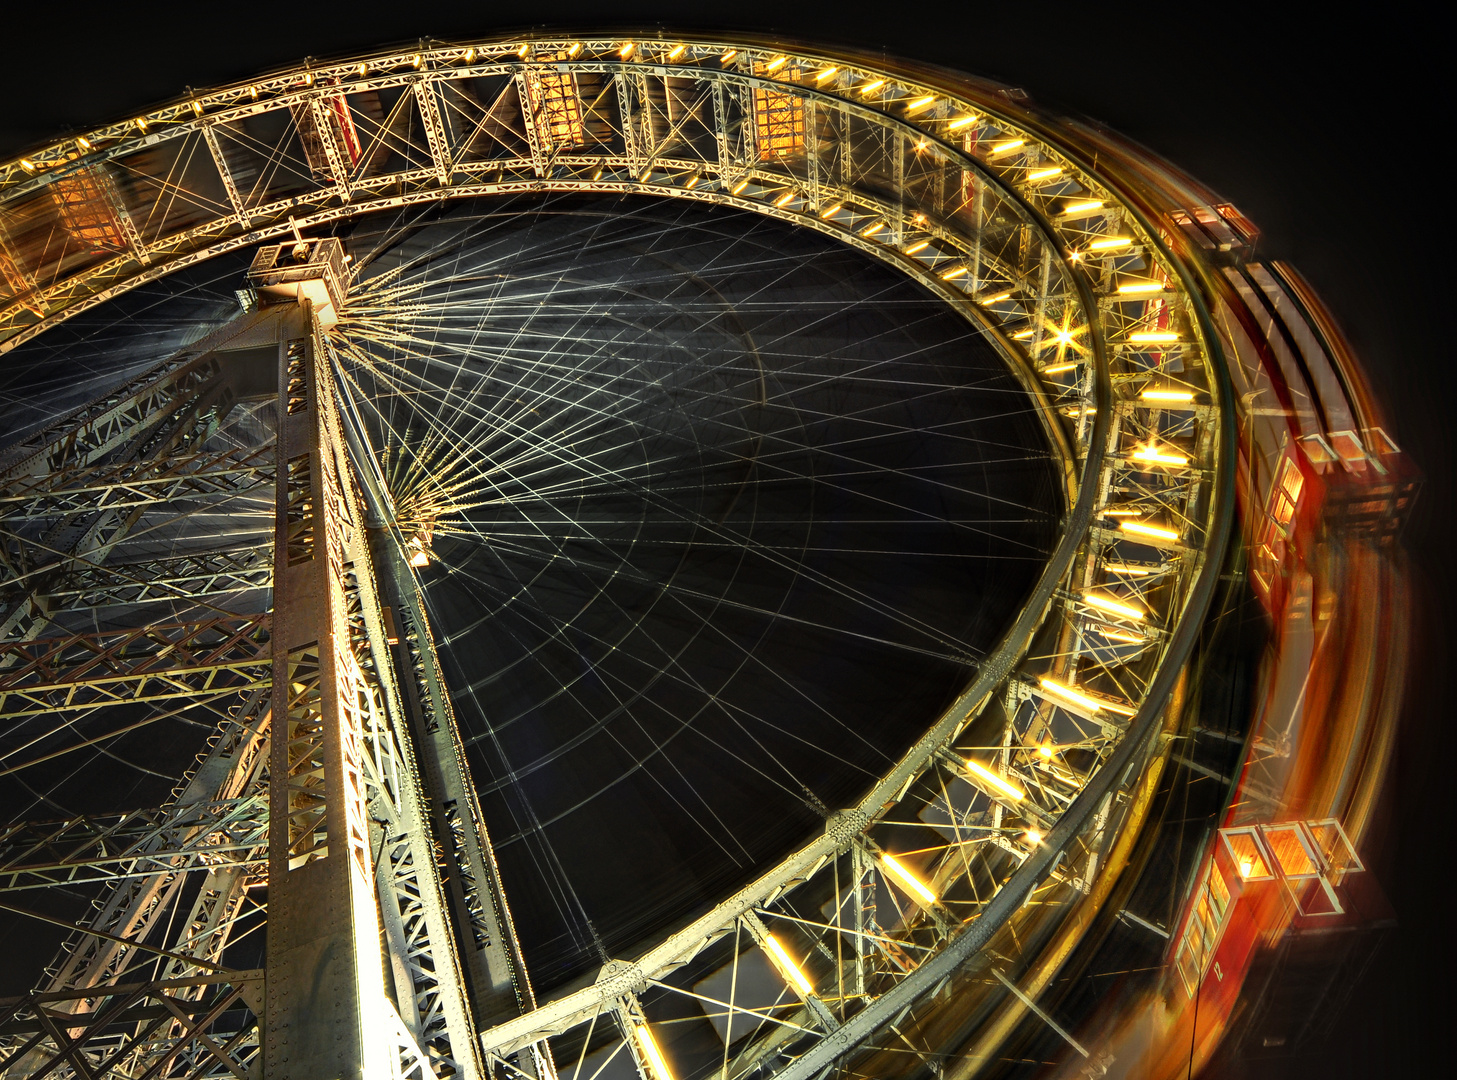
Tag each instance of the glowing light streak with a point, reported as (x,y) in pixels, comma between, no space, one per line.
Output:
(1158,456)
(786,965)
(994,780)
(1113,606)
(1120,635)
(1068,694)
(650,1051)
(1138,528)
(908,880)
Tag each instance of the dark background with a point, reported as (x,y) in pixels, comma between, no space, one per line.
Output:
(1327,131)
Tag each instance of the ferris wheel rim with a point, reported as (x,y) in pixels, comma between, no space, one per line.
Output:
(1079,518)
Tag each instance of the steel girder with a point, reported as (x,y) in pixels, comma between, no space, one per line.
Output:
(180,874)
(349,835)
(1094,305)
(156,1027)
(105,847)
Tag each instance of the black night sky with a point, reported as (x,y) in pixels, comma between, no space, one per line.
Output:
(1328,137)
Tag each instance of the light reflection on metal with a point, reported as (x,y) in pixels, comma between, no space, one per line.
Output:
(1093,217)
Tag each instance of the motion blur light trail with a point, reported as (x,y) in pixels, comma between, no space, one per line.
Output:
(769,562)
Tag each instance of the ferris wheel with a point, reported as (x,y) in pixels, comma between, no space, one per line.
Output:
(597,557)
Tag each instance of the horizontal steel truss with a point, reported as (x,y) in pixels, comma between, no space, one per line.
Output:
(176,879)
(107,847)
(204,1026)
(130,484)
(194,575)
(146,664)
(74,492)
(1015,230)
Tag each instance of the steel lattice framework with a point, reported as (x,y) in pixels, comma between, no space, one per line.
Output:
(335,774)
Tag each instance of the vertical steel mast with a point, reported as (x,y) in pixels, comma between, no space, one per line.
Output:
(388,940)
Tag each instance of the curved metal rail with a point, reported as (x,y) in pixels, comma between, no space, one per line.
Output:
(1028,774)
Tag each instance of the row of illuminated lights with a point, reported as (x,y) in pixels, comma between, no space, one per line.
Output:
(788,968)
(988,779)
(1151,453)
(470,55)
(868,88)
(1035,173)
(1127,291)
(626,51)
(995,783)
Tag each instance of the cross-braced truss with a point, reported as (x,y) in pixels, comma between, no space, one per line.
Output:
(1031,779)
